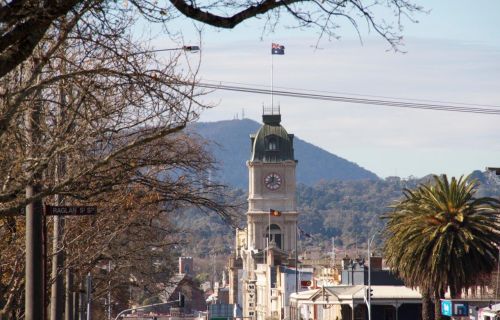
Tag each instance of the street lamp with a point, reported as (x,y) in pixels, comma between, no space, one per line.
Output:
(368,293)
(189,48)
(497,172)
(181,299)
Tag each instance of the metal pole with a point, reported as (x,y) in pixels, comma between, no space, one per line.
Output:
(57,288)
(369,295)
(89,296)
(189,48)
(269,264)
(68,314)
(272,81)
(498,272)
(496,170)
(109,291)
(44,264)
(333,251)
(268,234)
(34,273)
(296,258)
(368,298)
(81,303)
(76,306)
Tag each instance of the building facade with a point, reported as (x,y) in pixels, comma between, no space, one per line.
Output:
(263,270)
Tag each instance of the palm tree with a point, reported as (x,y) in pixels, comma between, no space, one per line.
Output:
(440,237)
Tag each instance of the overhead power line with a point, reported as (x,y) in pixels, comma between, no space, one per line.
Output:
(393,102)
(350,94)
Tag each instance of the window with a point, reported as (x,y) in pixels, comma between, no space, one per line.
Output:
(389,313)
(275,234)
(272,143)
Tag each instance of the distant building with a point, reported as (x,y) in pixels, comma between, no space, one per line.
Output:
(355,272)
(348,303)
(194,296)
(183,283)
(186,265)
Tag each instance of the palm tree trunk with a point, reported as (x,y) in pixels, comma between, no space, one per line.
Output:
(427,310)
(437,305)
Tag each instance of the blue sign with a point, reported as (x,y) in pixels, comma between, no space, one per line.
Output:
(446,308)
(454,308)
(461,309)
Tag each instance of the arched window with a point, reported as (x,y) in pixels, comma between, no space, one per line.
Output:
(272,143)
(275,235)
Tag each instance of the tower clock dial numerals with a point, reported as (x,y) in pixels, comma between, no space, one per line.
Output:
(272,181)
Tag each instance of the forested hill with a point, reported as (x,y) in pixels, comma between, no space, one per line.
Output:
(350,211)
(231,147)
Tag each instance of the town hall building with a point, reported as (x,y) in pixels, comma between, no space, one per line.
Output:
(262,272)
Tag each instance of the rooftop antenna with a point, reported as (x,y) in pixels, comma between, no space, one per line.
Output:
(214,272)
(333,250)
(356,246)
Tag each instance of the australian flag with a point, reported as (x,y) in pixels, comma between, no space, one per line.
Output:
(277,49)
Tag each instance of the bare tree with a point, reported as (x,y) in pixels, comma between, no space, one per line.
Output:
(116,115)
(116,100)
(23,24)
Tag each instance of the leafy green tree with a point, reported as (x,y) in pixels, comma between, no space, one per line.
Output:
(440,237)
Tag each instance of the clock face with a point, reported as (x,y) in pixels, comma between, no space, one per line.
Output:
(272,181)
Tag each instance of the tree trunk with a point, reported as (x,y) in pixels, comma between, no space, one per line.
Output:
(427,310)
(437,305)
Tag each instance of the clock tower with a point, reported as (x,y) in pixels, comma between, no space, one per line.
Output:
(271,175)
(266,248)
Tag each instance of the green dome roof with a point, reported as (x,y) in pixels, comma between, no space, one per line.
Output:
(272,143)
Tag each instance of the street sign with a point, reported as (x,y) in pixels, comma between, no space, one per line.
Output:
(70,210)
(446,307)
(454,308)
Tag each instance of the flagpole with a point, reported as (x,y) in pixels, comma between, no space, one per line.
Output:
(269,262)
(269,232)
(272,79)
(296,258)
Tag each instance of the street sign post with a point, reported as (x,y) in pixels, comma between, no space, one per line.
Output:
(70,210)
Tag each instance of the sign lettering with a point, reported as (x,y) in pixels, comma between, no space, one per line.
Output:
(70,210)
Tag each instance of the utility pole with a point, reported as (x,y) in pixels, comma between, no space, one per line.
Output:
(68,314)
(81,303)
(34,273)
(496,170)
(57,288)
(333,251)
(369,291)
(57,275)
(76,305)
(109,290)
(89,296)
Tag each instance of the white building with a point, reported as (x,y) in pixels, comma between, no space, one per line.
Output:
(263,270)
(347,302)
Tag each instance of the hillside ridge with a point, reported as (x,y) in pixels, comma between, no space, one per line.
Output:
(229,142)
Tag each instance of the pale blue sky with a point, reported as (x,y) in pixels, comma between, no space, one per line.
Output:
(453,54)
